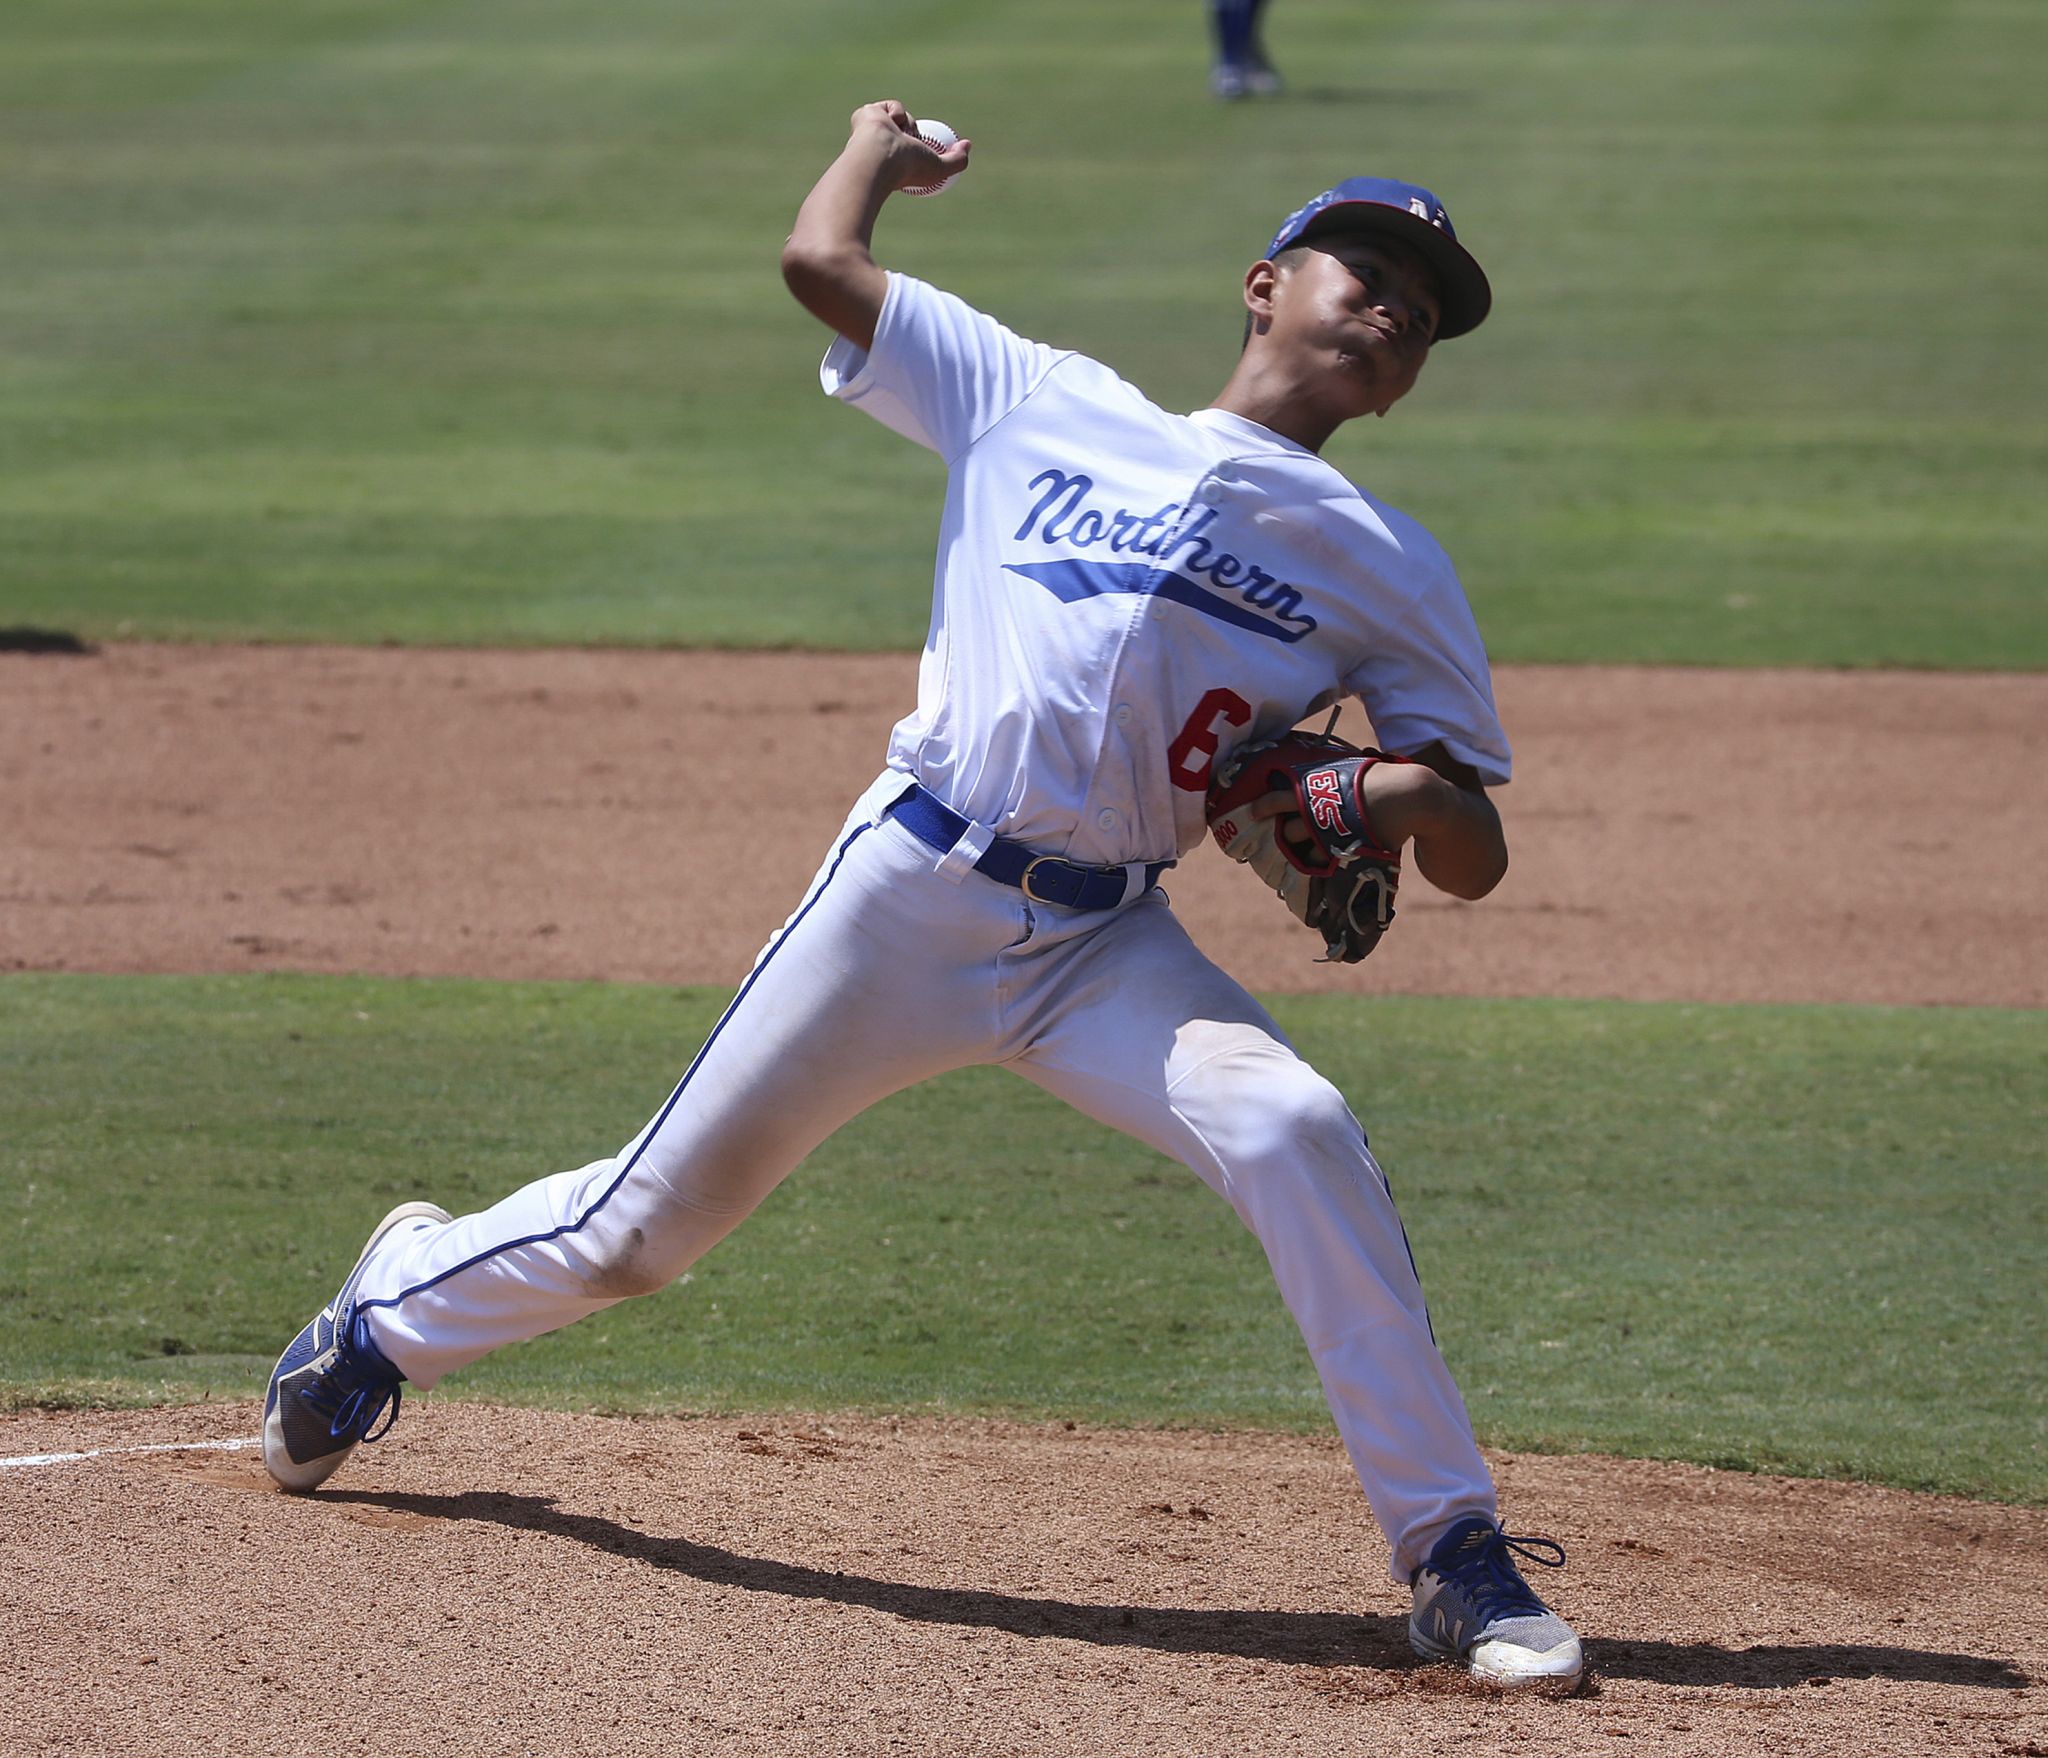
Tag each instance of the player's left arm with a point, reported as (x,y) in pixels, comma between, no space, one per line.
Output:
(1437,804)
(828,263)
(1433,802)
(1428,691)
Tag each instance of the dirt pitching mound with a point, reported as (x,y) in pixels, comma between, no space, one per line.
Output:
(491,1581)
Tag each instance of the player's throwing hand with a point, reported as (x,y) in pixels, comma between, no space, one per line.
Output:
(912,161)
(828,261)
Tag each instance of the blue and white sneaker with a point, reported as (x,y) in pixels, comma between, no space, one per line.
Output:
(332,1382)
(1230,81)
(1471,1604)
(1261,78)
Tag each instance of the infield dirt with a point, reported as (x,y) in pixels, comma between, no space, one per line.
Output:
(498,1582)
(1677,835)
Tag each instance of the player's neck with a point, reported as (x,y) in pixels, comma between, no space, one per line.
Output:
(1274,400)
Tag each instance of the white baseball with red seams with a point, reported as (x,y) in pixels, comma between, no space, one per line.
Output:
(1122,595)
(940,136)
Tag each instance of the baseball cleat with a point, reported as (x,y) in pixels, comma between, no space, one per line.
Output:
(332,1382)
(1261,78)
(1471,1604)
(1229,81)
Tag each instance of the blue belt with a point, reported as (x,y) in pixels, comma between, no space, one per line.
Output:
(1042,878)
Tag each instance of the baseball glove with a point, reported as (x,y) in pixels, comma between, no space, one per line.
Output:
(1342,880)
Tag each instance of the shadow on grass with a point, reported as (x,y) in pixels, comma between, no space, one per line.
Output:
(1380,99)
(1327,1639)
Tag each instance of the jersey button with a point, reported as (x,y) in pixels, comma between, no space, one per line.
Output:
(1210,493)
(1106,818)
(1122,716)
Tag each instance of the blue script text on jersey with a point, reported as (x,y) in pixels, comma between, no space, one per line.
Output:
(1162,535)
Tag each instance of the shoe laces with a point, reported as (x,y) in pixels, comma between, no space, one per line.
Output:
(357,1387)
(1483,1569)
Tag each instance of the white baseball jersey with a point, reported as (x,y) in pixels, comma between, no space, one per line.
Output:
(1124,594)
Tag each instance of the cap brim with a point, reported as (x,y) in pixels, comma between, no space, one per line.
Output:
(1467,294)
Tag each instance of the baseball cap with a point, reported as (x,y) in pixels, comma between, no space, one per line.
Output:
(1410,213)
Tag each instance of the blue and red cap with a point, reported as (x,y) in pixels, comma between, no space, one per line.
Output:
(1410,213)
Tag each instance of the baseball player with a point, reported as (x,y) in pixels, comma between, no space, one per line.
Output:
(1125,598)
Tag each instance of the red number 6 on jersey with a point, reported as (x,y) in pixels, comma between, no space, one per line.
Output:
(1193,752)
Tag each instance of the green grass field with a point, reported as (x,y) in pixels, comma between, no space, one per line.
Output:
(444,321)
(1805,1239)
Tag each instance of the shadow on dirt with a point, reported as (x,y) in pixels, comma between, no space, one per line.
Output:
(1329,1639)
(22,638)
(1773,1666)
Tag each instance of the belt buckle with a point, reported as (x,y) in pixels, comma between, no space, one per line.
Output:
(1078,875)
(1031,866)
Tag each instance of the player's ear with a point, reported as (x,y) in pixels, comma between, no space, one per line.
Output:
(1259,282)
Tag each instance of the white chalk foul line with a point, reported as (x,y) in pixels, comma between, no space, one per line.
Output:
(24,1461)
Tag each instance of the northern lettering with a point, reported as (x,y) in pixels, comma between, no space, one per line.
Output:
(1175,536)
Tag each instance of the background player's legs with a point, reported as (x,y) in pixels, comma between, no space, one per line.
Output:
(883,977)
(1240,66)
(1265,77)
(1230,30)
(1134,1026)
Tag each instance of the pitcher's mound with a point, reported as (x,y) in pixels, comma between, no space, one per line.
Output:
(493,1581)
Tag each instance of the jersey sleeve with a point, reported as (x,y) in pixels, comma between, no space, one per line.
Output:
(940,372)
(1426,681)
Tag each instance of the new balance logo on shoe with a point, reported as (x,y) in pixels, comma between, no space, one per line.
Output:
(1472,1605)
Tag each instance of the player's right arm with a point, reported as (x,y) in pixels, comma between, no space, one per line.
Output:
(829,261)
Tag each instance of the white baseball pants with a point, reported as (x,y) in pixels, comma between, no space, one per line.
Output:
(898,966)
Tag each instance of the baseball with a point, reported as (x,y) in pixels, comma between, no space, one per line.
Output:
(940,136)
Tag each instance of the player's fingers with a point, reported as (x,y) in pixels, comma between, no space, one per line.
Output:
(1281,799)
(1291,829)
(887,111)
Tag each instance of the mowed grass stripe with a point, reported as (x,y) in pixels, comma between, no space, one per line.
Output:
(460,322)
(1807,1239)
